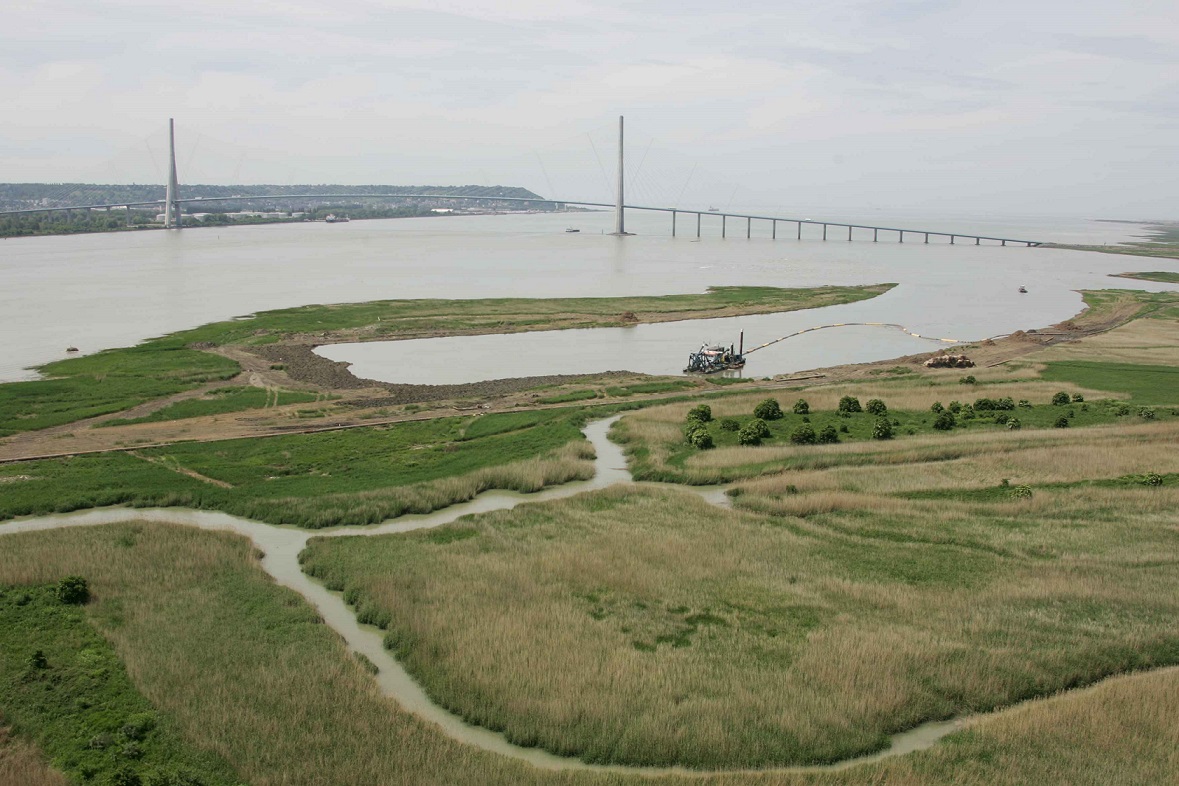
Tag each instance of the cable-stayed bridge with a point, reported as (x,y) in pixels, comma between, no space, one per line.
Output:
(173,202)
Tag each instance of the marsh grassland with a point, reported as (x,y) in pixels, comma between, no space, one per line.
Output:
(1023,579)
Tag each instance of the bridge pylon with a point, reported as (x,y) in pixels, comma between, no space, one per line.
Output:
(172,217)
(620,205)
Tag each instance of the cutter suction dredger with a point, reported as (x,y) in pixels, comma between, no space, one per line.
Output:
(711,358)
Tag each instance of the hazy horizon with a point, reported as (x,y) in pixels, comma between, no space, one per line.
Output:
(1041,109)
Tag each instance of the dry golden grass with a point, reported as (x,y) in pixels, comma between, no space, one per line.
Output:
(1146,341)
(23,764)
(281,698)
(570,625)
(985,459)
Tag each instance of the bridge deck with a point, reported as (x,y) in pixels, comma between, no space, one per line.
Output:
(675,211)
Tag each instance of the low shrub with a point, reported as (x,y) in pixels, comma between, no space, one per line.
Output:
(1021,492)
(1078,398)
(1061,398)
(1025,404)
(804,435)
(945,421)
(748,436)
(73,590)
(876,407)
(1061,422)
(1014,424)
(700,414)
(954,407)
(849,405)
(1146,413)
(937,408)
(967,380)
(729,424)
(828,435)
(801,407)
(768,410)
(882,429)
(698,437)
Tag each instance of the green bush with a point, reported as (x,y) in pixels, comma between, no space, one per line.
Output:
(968,380)
(1061,422)
(759,427)
(700,414)
(876,407)
(1146,413)
(1025,404)
(1002,418)
(1152,479)
(801,407)
(828,435)
(954,407)
(729,424)
(1061,398)
(768,410)
(73,590)
(882,429)
(38,661)
(1078,398)
(748,435)
(945,421)
(849,405)
(937,408)
(698,437)
(1014,424)
(804,435)
(1021,492)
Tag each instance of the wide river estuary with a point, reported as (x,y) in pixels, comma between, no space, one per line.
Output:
(109,290)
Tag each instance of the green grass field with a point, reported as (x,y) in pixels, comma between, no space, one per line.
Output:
(79,704)
(1144,384)
(352,476)
(106,382)
(1154,275)
(222,401)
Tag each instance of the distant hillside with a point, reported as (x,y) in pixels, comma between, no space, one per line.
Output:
(19,196)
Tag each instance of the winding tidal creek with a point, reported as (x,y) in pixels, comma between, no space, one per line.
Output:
(281,547)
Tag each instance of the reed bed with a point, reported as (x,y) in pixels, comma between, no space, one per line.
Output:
(677,632)
(277,695)
(987,459)
(23,764)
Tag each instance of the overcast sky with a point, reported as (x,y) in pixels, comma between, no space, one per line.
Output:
(1044,106)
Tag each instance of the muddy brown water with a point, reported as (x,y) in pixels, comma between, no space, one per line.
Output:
(281,547)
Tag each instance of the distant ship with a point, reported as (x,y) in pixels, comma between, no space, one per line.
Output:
(714,210)
(1024,290)
(572,229)
(332,218)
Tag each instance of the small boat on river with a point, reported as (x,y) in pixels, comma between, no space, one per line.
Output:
(1023,290)
(572,229)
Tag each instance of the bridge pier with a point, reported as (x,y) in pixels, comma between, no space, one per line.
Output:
(926,238)
(673,223)
(748,227)
(902,240)
(800,230)
(824,231)
(697,225)
(849,229)
(724,225)
(951,240)
(875,233)
(774,229)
